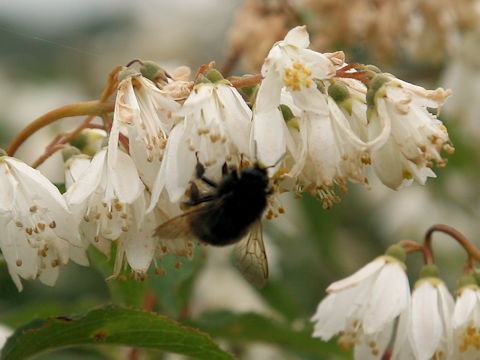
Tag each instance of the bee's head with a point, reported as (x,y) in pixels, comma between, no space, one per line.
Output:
(256,174)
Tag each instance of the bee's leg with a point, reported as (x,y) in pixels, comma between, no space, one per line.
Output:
(196,198)
(200,171)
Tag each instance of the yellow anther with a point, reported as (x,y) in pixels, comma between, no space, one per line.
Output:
(297,75)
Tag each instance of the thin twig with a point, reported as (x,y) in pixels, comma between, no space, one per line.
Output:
(461,239)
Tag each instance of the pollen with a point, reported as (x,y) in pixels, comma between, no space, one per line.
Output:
(297,75)
(33,208)
(471,337)
(52,225)
(19,262)
(41,226)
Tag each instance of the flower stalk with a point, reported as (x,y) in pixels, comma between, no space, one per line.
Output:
(93,108)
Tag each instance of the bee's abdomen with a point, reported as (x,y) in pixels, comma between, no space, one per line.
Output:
(230,222)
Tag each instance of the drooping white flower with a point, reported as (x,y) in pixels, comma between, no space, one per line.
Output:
(39,230)
(430,330)
(145,113)
(102,196)
(216,128)
(363,307)
(294,68)
(466,323)
(417,136)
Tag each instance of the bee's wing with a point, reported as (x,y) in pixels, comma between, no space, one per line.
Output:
(250,258)
(177,227)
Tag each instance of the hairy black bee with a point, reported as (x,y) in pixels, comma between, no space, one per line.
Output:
(227,214)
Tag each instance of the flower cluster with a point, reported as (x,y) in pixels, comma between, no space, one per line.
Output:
(374,312)
(314,121)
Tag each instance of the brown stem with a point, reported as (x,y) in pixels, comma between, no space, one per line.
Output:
(112,84)
(94,108)
(246,80)
(412,246)
(54,146)
(472,251)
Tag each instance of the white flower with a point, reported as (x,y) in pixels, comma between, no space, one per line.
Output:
(293,67)
(216,127)
(417,137)
(145,113)
(327,151)
(466,323)
(39,230)
(430,329)
(108,198)
(362,308)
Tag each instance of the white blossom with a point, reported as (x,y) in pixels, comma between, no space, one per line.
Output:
(107,198)
(466,323)
(362,308)
(294,68)
(39,230)
(216,128)
(430,329)
(417,136)
(145,113)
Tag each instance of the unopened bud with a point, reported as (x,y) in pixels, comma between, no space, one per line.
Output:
(429,271)
(126,73)
(376,83)
(68,152)
(397,252)
(154,72)
(338,92)
(214,75)
(466,280)
(373,68)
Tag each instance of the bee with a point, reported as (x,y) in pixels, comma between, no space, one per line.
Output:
(230,213)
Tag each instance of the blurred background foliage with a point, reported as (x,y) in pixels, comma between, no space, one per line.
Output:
(53,53)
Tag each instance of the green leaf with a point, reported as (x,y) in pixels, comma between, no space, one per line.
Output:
(130,292)
(252,327)
(111,326)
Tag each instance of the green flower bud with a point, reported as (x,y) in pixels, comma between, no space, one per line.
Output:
(429,271)
(466,280)
(68,152)
(373,68)
(154,72)
(214,75)
(376,83)
(89,141)
(397,252)
(338,92)
(126,73)
(202,79)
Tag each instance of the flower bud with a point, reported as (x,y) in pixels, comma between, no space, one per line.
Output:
(214,75)
(154,72)
(338,92)
(466,280)
(375,85)
(126,73)
(397,252)
(429,271)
